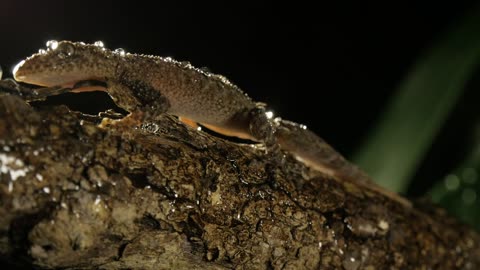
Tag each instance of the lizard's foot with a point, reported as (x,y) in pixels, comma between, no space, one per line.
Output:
(263,128)
(128,122)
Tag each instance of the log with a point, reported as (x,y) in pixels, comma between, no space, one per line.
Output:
(74,195)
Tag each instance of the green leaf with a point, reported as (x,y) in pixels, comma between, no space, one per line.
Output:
(420,106)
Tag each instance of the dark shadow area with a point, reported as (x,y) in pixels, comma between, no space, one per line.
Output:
(90,103)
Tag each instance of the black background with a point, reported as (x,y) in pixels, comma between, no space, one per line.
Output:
(330,66)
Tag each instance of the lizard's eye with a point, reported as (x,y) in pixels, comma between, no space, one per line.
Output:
(65,50)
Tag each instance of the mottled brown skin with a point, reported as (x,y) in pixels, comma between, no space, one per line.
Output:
(148,86)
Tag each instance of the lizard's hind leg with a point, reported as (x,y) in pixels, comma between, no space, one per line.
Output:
(263,129)
(262,126)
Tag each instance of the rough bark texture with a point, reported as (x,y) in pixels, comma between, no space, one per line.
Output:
(164,196)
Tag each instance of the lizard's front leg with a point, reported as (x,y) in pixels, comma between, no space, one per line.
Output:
(143,102)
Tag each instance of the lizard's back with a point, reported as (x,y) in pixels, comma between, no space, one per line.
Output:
(194,94)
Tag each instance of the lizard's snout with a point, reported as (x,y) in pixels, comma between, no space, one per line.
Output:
(17,72)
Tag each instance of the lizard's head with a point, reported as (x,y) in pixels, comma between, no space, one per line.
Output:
(64,63)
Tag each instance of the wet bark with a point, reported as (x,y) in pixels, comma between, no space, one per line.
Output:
(165,196)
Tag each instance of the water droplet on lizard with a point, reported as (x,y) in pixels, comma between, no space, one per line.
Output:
(186,64)
(205,69)
(42,51)
(65,51)
(52,45)
(99,43)
(120,51)
(269,114)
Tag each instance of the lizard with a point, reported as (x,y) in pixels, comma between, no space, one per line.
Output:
(147,86)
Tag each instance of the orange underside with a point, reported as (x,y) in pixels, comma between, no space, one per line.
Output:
(189,122)
(229,132)
(89,89)
(223,131)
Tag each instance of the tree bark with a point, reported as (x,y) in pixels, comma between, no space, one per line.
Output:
(164,196)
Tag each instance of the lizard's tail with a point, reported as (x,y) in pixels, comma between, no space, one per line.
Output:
(313,151)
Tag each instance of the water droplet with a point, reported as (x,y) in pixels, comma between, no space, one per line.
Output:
(99,43)
(120,51)
(469,196)
(19,163)
(39,177)
(352,260)
(42,51)
(199,128)
(269,114)
(52,44)
(6,148)
(17,170)
(350,263)
(452,182)
(97,200)
(46,190)
(383,225)
(205,69)
(65,51)
(168,59)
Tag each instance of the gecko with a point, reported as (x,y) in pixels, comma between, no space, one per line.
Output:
(147,86)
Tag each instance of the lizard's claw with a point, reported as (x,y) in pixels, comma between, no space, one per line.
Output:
(128,122)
